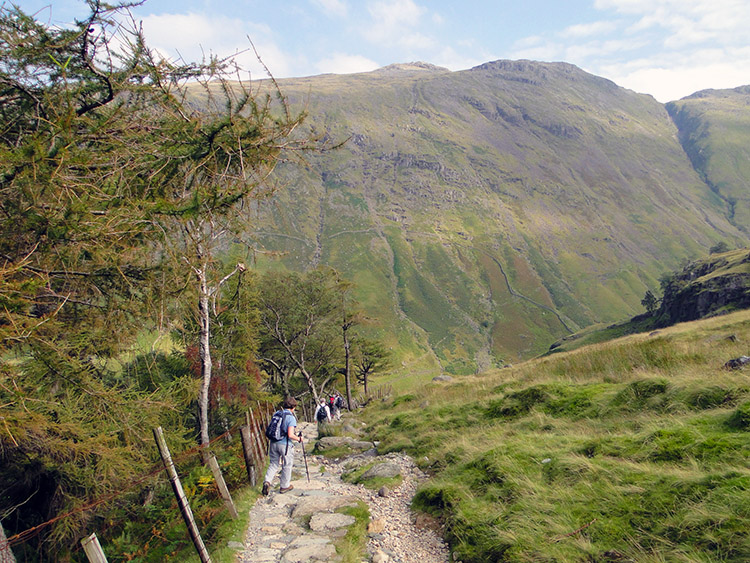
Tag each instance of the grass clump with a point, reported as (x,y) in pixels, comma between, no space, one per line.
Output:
(740,418)
(352,548)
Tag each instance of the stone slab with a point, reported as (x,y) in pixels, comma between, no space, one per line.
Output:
(310,505)
(327,521)
(309,553)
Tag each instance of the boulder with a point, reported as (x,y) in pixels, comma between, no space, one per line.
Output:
(335,442)
(445,378)
(737,363)
(306,553)
(386,470)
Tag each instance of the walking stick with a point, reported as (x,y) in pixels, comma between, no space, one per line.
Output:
(304,456)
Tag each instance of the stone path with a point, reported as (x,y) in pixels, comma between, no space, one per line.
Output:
(301,525)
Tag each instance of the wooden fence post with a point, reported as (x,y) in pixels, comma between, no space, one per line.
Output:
(256,432)
(247,450)
(182,501)
(93,549)
(213,463)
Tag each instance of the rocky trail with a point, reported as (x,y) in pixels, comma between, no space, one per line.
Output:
(303,524)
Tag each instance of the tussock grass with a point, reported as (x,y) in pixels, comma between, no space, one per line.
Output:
(632,450)
(352,548)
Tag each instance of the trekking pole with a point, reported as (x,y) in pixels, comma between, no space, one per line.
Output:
(304,456)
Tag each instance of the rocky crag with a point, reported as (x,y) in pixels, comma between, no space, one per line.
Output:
(716,285)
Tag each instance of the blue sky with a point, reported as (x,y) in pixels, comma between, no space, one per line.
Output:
(666,48)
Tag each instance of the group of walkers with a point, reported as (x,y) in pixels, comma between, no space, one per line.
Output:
(330,410)
(281,432)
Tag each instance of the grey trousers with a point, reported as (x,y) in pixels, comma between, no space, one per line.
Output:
(276,454)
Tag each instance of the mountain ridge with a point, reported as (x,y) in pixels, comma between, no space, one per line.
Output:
(494,209)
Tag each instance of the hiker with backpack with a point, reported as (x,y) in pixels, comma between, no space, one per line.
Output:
(322,414)
(280,433)
(338,404)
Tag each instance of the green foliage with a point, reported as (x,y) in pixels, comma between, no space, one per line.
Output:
(719,247)
(650,302)
(740,418)
(119,176)
(517,404)
(641,394)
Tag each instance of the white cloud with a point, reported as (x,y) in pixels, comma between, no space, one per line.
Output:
(336,8)
(396,22)
(536,48)
(669,48)
(716,20)
(690,44)
(675,82)
(447,57)
(340,63)
(588,29)
(194,36)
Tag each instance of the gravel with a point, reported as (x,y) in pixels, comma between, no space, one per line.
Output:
(401,539)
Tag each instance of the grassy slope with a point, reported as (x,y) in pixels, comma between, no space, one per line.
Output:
(487,212)
(717,281)
(715,130)
(631,450)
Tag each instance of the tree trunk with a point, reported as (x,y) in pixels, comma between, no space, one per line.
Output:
(204,314)
(347,370)
(310,384)
(285,382)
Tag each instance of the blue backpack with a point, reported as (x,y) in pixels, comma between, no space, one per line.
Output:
(275,430)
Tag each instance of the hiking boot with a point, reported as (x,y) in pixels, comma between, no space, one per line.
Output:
(286,489)
(266,487)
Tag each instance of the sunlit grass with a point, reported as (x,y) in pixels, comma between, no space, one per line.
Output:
(636,449)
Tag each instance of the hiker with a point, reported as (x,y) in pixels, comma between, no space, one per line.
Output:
(338,404)
(322,414)
(280,454)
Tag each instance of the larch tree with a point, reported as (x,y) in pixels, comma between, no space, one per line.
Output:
(120,177)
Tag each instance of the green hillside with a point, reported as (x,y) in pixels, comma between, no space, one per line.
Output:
(631,450)
(486,213)
(715,131)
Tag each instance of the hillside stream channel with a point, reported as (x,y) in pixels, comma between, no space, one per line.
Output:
(302,525)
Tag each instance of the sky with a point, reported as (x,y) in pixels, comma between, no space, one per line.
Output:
(666,48)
